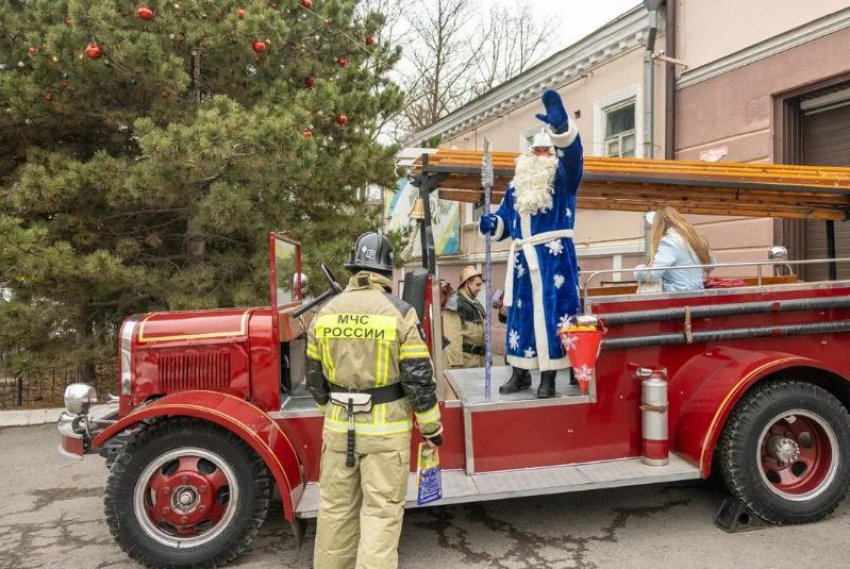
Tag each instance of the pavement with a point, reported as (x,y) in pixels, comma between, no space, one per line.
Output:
(26,417)
(52,516)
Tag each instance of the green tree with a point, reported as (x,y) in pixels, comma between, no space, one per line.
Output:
(144,159)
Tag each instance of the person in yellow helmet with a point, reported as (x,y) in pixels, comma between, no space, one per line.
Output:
(463,322)
(369,370)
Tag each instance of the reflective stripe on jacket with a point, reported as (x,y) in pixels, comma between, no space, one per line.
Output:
(365,338)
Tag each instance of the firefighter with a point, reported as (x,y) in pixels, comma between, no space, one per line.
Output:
(463,323)
(366,344)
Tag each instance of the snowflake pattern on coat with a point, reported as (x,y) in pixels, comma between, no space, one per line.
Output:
(558,280)
(513,340)
(555,247)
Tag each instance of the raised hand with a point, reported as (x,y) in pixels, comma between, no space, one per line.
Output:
(556,115)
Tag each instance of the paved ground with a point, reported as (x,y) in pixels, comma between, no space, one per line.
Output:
(52,517)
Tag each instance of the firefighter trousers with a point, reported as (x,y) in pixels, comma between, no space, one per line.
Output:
(361,509)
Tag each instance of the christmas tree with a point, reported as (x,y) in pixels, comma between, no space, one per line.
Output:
(148,147)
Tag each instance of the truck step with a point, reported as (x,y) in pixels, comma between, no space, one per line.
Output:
(458,487)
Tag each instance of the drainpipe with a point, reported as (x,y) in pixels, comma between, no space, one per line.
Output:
(652,7)
(670,84)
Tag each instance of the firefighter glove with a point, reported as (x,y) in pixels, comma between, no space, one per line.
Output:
(556,115)
(436,440)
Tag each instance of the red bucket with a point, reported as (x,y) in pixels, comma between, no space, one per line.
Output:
(581,338)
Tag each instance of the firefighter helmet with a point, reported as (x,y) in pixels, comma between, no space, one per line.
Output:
(371,252)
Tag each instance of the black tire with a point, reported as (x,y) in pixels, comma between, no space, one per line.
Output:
(157,442)
(748,467)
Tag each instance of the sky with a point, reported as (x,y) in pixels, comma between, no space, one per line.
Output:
(577,18)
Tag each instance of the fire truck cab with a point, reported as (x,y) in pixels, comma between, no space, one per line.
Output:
(213,421)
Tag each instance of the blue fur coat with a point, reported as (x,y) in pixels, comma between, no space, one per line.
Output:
(544,290)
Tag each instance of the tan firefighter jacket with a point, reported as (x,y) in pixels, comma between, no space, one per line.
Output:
(364,338)
(463,325)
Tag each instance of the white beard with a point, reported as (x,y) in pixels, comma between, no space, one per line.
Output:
(534,182)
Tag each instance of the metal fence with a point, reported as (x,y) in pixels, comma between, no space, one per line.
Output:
(46,388)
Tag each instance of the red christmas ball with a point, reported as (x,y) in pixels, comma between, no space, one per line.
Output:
(307,3)
(342,61)
(93,51)
(63,85)
(341,119)
(310,81)
(259,46)
(274,5)
(145,13)
(241,12)
(48,97)
(164,95)
(370,40)
(69,22)
(307,132)
(33,50)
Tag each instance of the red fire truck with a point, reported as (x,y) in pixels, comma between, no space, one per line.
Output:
(213,421)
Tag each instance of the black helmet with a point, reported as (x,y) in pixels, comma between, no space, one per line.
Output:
(371,252)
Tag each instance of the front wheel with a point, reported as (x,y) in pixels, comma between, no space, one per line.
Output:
(785,452)
(184,493)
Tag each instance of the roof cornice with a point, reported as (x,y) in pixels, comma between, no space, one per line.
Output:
(622,35)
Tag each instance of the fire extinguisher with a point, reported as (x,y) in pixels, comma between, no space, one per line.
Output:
(655,444)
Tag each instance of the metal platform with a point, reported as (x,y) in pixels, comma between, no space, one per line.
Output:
(469,386)
(458,487)
(297,404)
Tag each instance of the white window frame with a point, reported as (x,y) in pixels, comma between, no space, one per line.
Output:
(620,136)
(602,106)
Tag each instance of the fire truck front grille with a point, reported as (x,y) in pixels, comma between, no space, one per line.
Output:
(194,371)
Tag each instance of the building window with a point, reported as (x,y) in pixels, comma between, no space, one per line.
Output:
(620,134)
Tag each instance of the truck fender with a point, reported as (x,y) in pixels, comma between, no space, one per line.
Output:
(710,385)
(251,424)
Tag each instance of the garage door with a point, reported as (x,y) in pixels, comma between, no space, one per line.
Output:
(826,142)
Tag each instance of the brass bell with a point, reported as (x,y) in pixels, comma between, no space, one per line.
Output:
(418,211)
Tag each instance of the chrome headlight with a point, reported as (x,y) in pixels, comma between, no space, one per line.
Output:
(125,359)
(79,397)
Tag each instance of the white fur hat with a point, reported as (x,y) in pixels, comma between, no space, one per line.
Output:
(541,139)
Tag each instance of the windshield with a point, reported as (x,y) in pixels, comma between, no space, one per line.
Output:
(286,272)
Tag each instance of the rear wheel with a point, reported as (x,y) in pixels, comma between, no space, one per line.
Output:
(184,493)
(785,452)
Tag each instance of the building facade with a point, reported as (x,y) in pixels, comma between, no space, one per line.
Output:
(757,81)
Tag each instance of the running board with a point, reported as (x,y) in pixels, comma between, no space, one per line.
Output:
(458,487)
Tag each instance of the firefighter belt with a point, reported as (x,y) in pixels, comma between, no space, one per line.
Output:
(356,401)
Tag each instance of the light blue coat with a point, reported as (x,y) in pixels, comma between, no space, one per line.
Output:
(673,251)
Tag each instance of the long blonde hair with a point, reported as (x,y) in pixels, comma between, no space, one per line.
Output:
(668,217)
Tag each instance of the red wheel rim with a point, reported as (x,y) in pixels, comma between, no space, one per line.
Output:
(798,455)
(186,497)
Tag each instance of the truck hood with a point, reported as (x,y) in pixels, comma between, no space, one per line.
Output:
(192,327)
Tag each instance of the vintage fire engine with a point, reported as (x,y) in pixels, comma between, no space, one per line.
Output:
(213,421)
